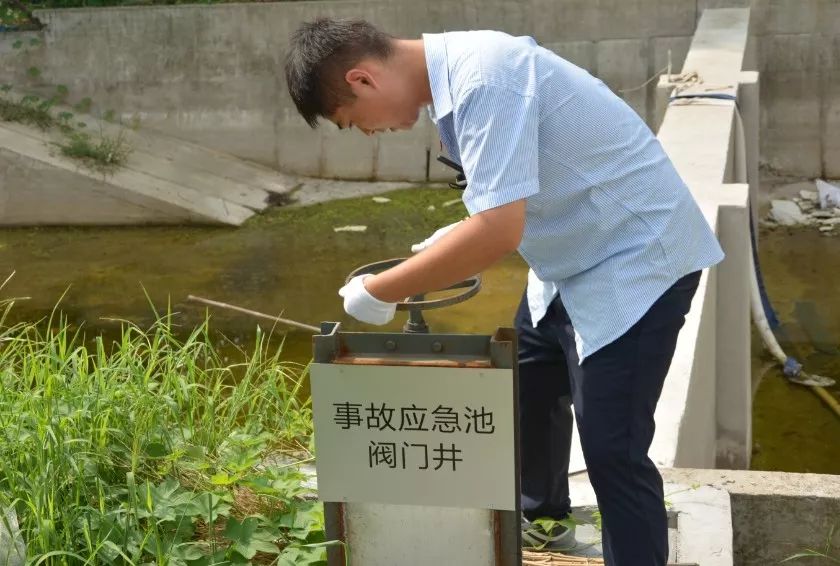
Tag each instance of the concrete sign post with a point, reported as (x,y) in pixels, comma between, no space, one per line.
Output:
(416,441)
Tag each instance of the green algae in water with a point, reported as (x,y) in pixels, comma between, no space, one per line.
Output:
(289,262)
(793,430)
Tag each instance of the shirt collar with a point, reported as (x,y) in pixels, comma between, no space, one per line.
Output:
(437,65)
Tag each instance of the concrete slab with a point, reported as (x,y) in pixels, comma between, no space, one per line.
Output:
(700,517)
(217,187)
(298,147)
(789,52)
(706,371)
(190,155)
(347,155)
(401,156)
(726,517)
(613,19)
(790,116)
(669,18)
(828,51)
(178,172)
(16,58)
(827,18)
(831,128)
(160,200)
(230,94)
(703,5)
(313,190)
(733,392)
(749,105)
(685,415)
(588,23)
(185,91)
(718,47)
(35,193)
(623,65)
(700,164)
(790,16)
(774,515)
(235,133)
(717,55)
(206,160)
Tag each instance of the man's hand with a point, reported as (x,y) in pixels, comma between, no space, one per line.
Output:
(363,306)
(434,237)
(469,248)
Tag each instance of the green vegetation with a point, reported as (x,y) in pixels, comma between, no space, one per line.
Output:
(29,110)
(15,15)
(828,553)
(102,154)
(414,213)
(153,451)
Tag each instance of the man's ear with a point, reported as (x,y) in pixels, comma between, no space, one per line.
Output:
(359,80)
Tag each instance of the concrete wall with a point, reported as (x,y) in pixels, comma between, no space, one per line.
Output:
(797,43)
(162,180)
(704,415)
(213,74)
(775,515)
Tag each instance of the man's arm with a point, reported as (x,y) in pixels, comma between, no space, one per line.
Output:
(497,130)
(474,245)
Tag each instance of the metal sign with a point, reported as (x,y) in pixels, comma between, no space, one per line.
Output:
(438,436)
(417,447)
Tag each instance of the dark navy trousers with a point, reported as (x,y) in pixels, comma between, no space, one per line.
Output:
(614,394)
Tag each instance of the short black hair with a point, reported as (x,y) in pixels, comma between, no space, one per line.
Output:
(320,53)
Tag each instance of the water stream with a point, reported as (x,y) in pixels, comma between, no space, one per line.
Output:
(290,262)
(792,430)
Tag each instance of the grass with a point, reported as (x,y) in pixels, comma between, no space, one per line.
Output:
(828,554)
(28,110)
(152,451)
(103,154)
(15,14)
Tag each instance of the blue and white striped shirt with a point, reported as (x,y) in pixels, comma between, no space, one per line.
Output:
(609,225)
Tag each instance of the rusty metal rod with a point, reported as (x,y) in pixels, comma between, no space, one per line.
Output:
(286,321)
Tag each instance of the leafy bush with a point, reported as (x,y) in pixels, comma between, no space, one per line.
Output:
(153,451)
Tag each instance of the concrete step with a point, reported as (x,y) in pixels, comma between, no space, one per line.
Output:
(39,185)
(174,163)
(172,170)
(219,164)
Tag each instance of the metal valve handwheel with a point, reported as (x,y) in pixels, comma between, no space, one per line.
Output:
(418,303)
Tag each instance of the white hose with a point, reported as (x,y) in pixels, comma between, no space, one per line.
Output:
(761,323)
(756,307)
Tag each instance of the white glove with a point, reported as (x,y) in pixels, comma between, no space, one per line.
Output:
(440,233)
(363,306)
